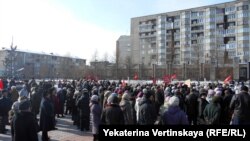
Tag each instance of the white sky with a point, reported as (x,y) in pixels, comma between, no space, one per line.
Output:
(36,25)
(77,27)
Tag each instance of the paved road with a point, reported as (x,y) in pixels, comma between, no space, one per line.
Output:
(66,132)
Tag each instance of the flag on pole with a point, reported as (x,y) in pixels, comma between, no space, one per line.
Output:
(228,79)
(136,76)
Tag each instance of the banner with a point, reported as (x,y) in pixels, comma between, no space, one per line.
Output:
(188,82)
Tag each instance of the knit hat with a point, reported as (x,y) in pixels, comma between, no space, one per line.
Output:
(24,105)
(113,99)
(147,94)
(23,92)
(144,91)
(126,96)
(94,98)
(174,101)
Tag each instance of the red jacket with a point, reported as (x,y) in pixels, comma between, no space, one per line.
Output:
(1,84)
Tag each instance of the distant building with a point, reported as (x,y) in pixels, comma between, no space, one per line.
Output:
(123,49)
(40,65)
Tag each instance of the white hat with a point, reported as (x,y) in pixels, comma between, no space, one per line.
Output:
(174,101)
(94,98)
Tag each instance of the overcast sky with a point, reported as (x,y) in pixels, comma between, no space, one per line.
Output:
(77,27)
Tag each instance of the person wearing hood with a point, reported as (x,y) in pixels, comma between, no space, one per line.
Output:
(106,95)
(83,105)
(147,112)
(112,114)
(240,104)
(212,112)
(24,124)
(138,100)
(95,112)
(126,109)
(174,115)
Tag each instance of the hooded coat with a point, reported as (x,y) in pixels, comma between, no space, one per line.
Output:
(95,109)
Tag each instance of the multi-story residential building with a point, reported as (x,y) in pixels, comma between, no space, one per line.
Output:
(23,64)
(194,43)
(123,49)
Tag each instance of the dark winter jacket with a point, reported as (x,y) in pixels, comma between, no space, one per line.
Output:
(112,115)
(174,116)
(25,127)
(5,106)
(202,103)
(212,113)
(191,105)
(240,103)
(47,120)
(147,112)
(83,104)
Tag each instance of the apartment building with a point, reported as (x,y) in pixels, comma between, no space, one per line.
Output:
(197,41)
(23,64)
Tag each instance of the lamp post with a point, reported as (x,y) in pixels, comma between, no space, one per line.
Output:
(51,68)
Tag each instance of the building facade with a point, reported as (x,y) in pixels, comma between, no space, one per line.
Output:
(194,43)
(24,65)
(123,49)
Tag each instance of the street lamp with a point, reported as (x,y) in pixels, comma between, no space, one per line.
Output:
(51,69)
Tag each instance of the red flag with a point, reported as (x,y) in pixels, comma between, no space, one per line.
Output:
(228,79)
(136,76)
(166,79)
(173,76)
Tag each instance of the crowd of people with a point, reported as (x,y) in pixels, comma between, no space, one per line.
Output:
(91,103)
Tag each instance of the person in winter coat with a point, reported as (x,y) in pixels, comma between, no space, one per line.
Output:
(147,112)
(138,100)
(159,99)
(191,102)
(14,94)
(47,115)
(83,105)
(112,114)
(5,106)
(212,112)
(226,112)
(240,104)
(95,110)
(202,103)
(126,109)
(25,127)
(36,98)
(174,115)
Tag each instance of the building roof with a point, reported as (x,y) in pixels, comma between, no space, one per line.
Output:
(182,10)
(44,53)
